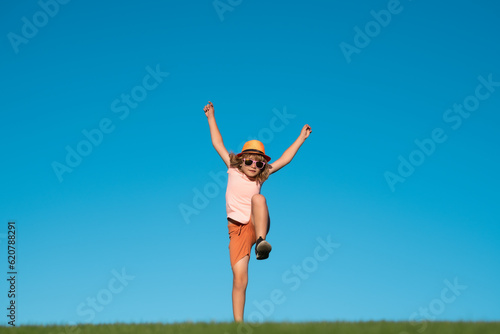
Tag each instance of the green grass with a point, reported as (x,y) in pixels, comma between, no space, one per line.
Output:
(251,328)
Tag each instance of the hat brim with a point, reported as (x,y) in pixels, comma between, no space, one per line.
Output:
(254,152)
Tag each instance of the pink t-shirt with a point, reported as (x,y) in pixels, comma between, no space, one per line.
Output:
(239,195)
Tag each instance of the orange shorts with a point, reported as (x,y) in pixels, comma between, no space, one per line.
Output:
(241,239)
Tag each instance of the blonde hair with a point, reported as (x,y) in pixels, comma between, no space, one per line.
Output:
(235,162)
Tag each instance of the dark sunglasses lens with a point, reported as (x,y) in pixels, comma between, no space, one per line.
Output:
(248,162)
(259,164)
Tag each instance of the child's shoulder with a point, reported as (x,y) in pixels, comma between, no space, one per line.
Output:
(234,170)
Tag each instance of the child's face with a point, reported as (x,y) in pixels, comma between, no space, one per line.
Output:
(251,171)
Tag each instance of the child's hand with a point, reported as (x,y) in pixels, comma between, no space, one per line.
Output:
(306,131)
(209,109)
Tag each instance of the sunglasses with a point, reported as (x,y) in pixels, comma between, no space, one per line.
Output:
(259,164)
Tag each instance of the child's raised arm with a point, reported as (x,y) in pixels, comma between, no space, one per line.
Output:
(215,133)
(290,152)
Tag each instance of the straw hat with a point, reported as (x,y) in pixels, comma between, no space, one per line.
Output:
(254,147)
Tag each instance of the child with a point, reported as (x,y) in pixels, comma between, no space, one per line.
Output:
(247,212)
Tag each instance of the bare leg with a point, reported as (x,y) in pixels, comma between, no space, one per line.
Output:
(260,215)
(240,281)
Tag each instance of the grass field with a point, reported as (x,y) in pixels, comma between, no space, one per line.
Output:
(249,328)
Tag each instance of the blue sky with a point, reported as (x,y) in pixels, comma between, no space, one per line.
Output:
(388,211)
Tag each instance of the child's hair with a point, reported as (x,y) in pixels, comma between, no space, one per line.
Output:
(235,162)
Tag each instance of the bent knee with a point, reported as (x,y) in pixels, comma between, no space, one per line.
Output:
(258,199)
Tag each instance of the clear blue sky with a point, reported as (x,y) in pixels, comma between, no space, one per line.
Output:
(400,172)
